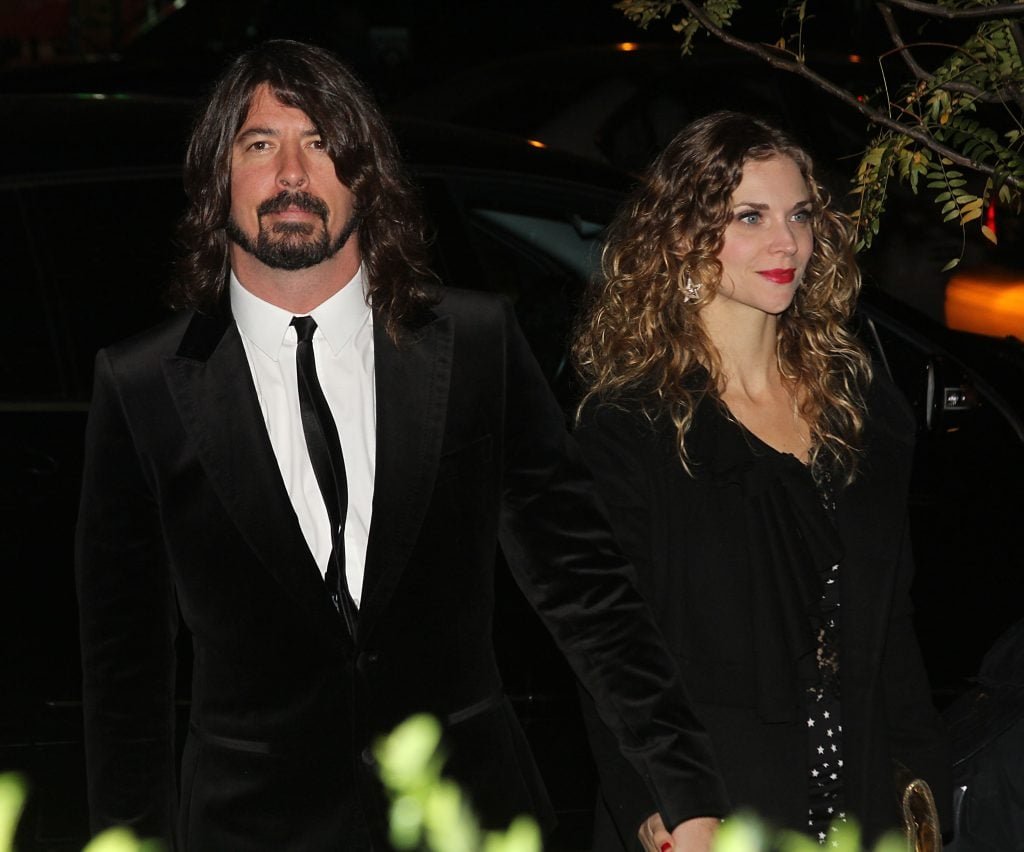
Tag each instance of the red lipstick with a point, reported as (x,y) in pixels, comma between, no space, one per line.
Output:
(778,276)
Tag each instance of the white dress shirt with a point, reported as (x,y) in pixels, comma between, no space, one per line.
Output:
(343,349)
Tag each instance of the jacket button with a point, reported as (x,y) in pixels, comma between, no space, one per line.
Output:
(367,660)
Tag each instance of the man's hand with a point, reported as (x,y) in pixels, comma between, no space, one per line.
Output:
(693,835)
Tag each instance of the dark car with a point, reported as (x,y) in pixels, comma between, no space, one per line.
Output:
(89,194)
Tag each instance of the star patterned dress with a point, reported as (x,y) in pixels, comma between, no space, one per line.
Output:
(825,738)
(824,716)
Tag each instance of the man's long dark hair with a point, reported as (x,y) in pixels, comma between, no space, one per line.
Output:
(391,232)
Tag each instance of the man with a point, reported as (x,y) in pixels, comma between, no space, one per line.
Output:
(335,585)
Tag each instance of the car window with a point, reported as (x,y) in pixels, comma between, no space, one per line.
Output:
(964,501)
(541,264)
(536,244)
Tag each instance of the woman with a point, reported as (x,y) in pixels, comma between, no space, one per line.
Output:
(756,469)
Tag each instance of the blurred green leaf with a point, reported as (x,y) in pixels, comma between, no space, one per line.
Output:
(409,757)
(121,840)
(742,832)
(12,801)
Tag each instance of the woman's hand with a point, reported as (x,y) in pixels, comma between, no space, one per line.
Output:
(692,835)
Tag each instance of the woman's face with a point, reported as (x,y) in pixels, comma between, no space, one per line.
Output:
(768,240)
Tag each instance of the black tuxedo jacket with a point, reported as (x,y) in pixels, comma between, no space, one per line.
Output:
(183,509)
(701,567)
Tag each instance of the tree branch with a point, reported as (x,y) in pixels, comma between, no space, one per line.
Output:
(873,115)
(998,96)
(1000,10)
(901,47)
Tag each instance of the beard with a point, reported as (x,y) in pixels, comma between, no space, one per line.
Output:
(292,245)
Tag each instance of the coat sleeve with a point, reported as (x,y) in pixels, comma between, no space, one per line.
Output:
(560,549)
(613,450)
(128,621)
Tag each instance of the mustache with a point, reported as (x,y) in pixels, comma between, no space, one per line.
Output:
(285,199)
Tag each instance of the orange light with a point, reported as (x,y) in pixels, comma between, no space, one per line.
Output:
(986,301)
(536,143)
(627,46)
(854,58)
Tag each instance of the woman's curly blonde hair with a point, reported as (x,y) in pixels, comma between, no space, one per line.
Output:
(640,335)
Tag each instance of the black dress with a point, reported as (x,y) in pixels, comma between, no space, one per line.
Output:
(821,689)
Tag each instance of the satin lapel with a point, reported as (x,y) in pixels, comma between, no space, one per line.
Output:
(212,386)
(412,383)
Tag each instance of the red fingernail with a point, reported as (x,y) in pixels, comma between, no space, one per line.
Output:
(666,846)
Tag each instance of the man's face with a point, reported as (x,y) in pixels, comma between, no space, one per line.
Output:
(288,208)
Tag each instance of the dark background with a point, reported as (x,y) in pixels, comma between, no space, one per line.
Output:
(396,44)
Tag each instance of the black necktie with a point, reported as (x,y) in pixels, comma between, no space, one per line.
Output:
(328,464)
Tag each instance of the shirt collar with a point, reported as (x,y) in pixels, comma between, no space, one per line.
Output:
(266,325)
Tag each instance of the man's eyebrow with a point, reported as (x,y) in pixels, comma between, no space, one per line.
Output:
(255,131)
(248,132)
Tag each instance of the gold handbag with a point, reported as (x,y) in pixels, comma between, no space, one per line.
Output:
(919,817)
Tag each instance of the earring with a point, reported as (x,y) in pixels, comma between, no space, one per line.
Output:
(691,290)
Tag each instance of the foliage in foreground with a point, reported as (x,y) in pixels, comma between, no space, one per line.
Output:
(430,812)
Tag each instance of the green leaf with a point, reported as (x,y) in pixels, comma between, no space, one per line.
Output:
(406,822)
(120,839)
(522,836)
(742,832)
(12,802)
(408,757)
(791,841)
(891,842)
(955,262)
(450,823)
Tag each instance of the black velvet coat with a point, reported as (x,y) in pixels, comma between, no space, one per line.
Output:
(183,507)
(721,592)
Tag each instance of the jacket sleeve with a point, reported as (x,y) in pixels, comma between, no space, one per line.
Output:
(613,449)
(559,546)
(128,621)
